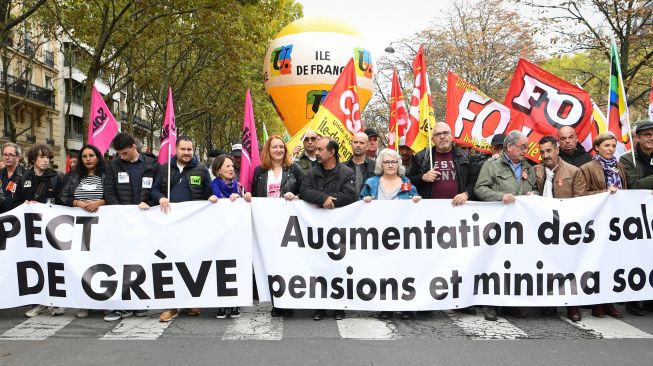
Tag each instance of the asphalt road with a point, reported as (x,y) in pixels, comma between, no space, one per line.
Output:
(439,338)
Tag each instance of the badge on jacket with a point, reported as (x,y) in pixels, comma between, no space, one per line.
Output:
(405,187)
(123,177)
(11,187)
(28,183)
(195,180)
(147,182)
(524,175)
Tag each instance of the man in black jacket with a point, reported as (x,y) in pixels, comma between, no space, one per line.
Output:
(447,178)
(571,150)
(40,183)
(190,182)
(329,185)
(128,181)
(362,166)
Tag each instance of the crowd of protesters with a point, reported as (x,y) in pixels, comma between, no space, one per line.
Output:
(315,174)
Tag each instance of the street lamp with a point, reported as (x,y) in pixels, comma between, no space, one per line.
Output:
(391,49)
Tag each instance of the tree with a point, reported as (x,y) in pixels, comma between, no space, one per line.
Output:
(588,25)
(480,41)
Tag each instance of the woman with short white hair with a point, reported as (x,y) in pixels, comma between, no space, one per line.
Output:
(389,183)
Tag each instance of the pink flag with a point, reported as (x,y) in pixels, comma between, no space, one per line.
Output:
(250,158)
(168,132)
(102,127)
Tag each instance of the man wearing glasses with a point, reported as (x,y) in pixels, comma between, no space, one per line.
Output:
(447,177)
(10,175)
(308,158)
(502,178)
(639,175)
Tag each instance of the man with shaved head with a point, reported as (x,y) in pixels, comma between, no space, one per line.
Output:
(571,150)
(362,166)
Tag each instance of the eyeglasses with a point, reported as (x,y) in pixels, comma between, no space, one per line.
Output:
(390,162)
(442,134)
(310,138)
(9,155)
(521,147)
(647,135)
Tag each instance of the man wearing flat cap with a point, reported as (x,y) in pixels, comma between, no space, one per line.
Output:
(373,143)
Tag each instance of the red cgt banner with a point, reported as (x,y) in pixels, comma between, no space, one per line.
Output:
(548,103)
(474,118)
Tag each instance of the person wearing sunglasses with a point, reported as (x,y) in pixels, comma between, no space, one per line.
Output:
(308,158)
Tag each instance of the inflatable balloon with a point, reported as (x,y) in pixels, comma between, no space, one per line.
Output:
(303,62)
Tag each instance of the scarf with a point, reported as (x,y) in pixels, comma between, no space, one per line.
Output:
(610,171)
(223,190)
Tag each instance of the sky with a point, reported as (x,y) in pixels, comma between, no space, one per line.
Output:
(380,21)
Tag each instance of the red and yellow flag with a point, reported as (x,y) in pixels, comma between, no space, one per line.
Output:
(422,114)
(398,114)
(339,116)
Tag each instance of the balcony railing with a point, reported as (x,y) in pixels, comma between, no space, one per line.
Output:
(23,88)
(138,121)
(48,58)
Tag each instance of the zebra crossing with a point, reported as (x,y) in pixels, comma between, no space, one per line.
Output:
(255,323)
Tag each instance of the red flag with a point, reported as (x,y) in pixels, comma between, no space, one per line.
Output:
(398,114)
(422,115)
(547,104)
(474,118)
(68,162)
(250,158)
(102,127)
(168,132)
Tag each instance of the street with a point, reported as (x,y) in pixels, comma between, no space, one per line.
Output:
(441,337)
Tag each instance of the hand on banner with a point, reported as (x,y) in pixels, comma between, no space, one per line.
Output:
(459,199)
(508,198)
(143,206)
(431,176)
(234,196)
(247,197)
(329,202)
(368,199)
(613,189)
(92,206)
(416,198)
(289,196)
(164,203)
(213,199)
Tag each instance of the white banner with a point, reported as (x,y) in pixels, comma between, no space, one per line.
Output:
(400,255)
(198,255)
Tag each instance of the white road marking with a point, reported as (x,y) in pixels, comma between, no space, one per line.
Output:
(366,328)
(607,327)
(476,327)
(144,328)
(38,328)
(254,324)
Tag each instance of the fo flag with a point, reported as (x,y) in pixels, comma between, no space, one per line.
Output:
(474,118)
(102,127)
(422,114)
(339,116)
(547,104)
(399,121)
(618,116)
(250,159)
(168,132)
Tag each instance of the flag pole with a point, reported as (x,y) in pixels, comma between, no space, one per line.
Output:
(168,196)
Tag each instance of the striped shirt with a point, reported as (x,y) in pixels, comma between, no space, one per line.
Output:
(89,189)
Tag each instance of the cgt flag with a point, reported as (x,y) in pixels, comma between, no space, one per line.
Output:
(339,116)
(102,127)
(618,116)
(399,121)
(548,103)
(168,132)
(250,159)
(474,118)
(422,114)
